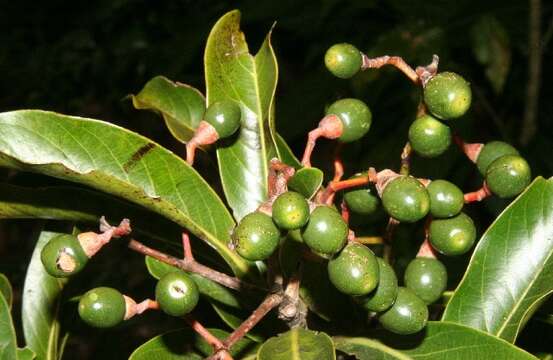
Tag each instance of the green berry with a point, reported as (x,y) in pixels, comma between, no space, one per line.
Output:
(63,256)
(102,307)
(429,137)
(224,116)
(326,232)
(177,294)
(408,315)
(454,236)
(290,211)
(355,116)
(256,237)
(446,199)
(491,152)
(362,201)
(354,271)
(508,176)
(447,95)
(384,296)
(427,278)
(406,199)
(343,60)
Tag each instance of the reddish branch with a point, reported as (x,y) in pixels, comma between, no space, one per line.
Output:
(330,127)
(204,333)
(398,62)
(478,195)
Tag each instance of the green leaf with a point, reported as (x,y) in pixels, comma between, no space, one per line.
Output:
(8,342)
(511,270)
(306,181)
(209,289)
(6,290)
(25,354)
(367,349)
(298,344)
(444,340)
(285,154)
(242,348)
(80,205)
(234,318)
(181,106)
(122,163)
(41,306)
(232,73)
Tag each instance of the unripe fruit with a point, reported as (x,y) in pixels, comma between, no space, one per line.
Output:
(362,201)
(290,211)
(355,116)
(508,176)
(491,152)
(63,256)
(343,60)
(102,307)
(256,236)
(429,137)
(326,232)
(406,199)
(447,95)
(454,236)
(384,296)
(354,271)
(224,116)
(177,294)
(427,278)
(408,315)
(446,199)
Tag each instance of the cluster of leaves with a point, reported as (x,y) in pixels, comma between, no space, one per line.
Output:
(484,315)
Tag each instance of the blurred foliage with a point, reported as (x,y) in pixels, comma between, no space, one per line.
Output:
(83,58)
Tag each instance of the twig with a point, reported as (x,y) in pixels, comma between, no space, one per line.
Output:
(478,195)
(186,246)
(529,125)
(193,266)
(204,333)
(398,62)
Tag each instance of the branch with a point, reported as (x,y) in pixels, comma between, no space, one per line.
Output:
(398,62)
(204,333)
(478,195)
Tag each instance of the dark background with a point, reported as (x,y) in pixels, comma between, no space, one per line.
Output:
(83,58)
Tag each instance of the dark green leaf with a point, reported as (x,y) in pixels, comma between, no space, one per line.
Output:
(285,154)
(511,270)
(209,289)
(41,304)
(25,354)
(306,181)
(232,73)
(444,340)
(6,290)
(234,318)
(182,106)
(122,163)
(8,342)
(298,344)
(368,349)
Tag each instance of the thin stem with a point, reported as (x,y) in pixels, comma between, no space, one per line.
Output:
(204,333)
(370,240)
(406,159)
(345,211)
(193,266)
(187,246)
(398,62)
(478,195)
(330,127)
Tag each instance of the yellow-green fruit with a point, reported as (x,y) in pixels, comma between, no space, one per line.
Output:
(326,232)
(447,95)
(256,236)
(354,271)
(177,294)
(408,315)
(356,118)
(508,175)
(406,199)
(290,210)
(453,236)
(102,307)
(63,256)
(427,278)
(343,60)
(384,296)
(429,137)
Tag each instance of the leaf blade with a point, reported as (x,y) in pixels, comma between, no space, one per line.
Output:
(8,342)
(298,344)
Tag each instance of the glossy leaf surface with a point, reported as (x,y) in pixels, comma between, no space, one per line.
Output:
(232,73)
(115,160)
(181,105)
(6,289)
(8,342)
(511,270)
(306,181)
(298,344)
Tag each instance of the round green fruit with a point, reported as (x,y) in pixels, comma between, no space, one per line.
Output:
(256,236)
(447,95)
(355,116)
(102,307)
(343,60)
(427,278)
(362,201)
(63,256)
(224,116)
(454,236)
(508,175)
(406,199)
(429,137)
(491,152)
(446,199)
(408,315)
(177,294)
(354,271)
(326,232)
(384,296)
(290,211)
